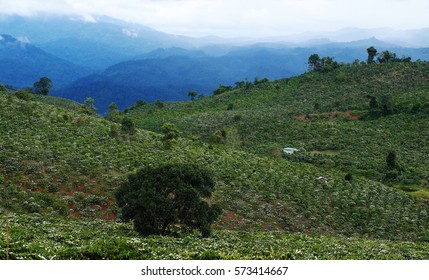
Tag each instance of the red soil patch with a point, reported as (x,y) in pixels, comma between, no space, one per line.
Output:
(332,115)
(353,116)
(111,217)
(228,217)
(106,215)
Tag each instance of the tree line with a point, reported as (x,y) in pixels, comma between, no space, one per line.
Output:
(325,64)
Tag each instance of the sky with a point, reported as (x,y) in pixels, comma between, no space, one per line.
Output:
(239,18)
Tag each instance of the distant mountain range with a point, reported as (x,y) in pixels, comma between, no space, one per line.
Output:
(170,78)
(22,64)
(115,61)
(93,44)
(413,38)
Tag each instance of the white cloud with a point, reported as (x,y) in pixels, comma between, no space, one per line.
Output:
(239,17)
(130,33)
(23,40)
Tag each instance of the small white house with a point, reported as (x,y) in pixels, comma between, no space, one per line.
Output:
(290,151)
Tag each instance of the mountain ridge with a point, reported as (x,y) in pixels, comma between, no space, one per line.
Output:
(24,63)
(170,74)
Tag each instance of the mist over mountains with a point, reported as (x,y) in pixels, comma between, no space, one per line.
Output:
(116,61)
(93,44)
(23,63)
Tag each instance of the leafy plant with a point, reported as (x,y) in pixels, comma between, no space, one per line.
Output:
(157,198)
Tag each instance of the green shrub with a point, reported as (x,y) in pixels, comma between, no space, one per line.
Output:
(24,95)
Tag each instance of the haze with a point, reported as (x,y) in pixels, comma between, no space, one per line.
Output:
(238,18)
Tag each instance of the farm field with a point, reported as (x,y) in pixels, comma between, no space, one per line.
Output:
(337,197)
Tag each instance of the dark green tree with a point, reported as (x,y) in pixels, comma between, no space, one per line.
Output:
(386,56)
(24,95)
(405,59)
(114,130)
(258,82)
(192,94)
(88,106)
(171,133)
(139,103)
(158,198)
(324,64)
(372,52)
(317,107)
(348,177)
(222,89)
(128,126)
(328,64)
(391,160)
(386,106)
(114,114)
(159,104)
(373,103)
(43,86)
(314,62)
(2,88)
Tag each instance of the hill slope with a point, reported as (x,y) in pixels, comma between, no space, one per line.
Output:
(61,167)
(326,115)
(170,74)
(73,162)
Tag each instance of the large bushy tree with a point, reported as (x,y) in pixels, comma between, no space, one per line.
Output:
(156,198)
(314,62)
(192,94)
(372,52)
(43,86)
(324,64)
(387,56)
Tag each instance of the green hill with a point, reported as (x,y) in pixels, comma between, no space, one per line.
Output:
(59,167)
(325,115)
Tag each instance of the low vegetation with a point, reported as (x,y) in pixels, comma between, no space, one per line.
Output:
(359,111)
(49,238)
(356,188)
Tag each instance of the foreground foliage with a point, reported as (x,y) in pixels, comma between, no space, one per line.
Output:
(37,237)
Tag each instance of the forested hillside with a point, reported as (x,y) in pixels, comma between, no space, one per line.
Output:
(347,119)
(337,197)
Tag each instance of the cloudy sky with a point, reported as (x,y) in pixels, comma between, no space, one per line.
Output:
(232,18)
